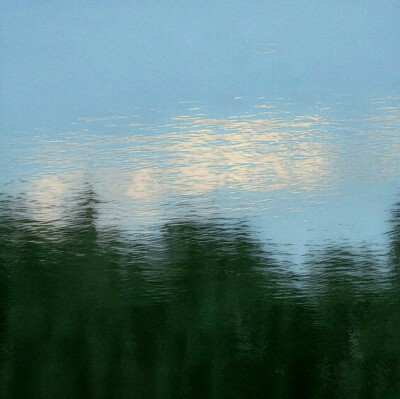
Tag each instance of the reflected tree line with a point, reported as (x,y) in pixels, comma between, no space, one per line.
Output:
(203,311)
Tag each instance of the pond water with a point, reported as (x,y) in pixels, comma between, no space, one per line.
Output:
(215,223)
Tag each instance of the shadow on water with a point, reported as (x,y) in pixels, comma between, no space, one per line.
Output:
(203,311)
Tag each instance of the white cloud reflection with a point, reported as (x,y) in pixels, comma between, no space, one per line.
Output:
(208,157)
(201,155)
(51,195)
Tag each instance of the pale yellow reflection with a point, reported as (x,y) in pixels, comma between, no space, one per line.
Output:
(51,195)
(243,153)
(202,155)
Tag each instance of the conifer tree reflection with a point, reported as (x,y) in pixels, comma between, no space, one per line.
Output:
(203,312)
(394,235)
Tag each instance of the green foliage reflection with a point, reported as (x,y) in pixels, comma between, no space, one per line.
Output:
(203,311)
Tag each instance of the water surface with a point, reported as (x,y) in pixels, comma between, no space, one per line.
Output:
(196,206)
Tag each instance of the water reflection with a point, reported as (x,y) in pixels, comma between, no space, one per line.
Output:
(265,158)
(200,310)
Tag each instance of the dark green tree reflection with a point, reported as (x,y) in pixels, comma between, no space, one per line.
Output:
(201,311)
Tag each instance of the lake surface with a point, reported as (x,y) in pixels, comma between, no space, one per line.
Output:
(193,206)
(204,255)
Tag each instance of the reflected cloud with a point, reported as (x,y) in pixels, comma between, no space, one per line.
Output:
(210,156)
(51,195)
(201,155)
(108,118)
(265,106)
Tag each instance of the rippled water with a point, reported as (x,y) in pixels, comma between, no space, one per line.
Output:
(204,254)
(200,199)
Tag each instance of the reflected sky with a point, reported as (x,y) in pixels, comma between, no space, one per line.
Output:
(282,114)
(68,59)
(300,174)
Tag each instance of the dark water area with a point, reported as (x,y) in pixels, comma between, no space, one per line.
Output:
(200,310)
